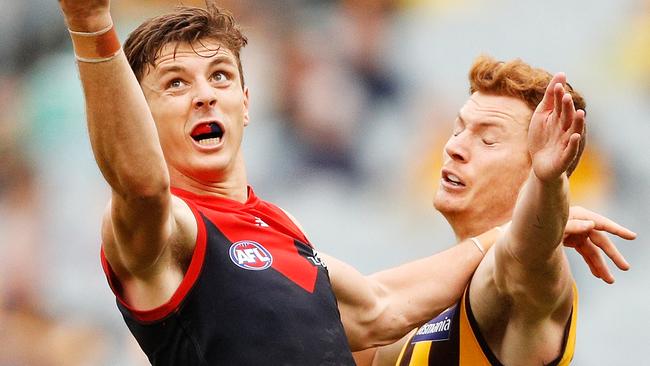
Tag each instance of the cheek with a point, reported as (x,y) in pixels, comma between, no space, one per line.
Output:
(233,102)
(512,176)
(505,172)
(170,116)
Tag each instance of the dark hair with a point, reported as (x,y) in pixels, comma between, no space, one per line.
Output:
(519,80)
(185,24)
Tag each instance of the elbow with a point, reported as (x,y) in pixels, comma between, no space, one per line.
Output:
(394,328)
(149,190)
(385,327)
(144,185)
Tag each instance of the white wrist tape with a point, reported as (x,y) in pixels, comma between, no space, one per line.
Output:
(478,244)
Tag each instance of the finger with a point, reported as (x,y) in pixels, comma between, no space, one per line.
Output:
(579,121)
(588,248)
(547,102)
(602,223)
(606,245)
(587,257)
(578,227)
(614,228)
(558,94)
(568,112)
(571,150)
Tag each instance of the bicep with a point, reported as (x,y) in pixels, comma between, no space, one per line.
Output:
(542,287)
(350,287)
(503,282)
(138,233)
(359,301)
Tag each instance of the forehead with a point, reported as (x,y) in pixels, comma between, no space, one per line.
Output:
(500,110)
(201,51)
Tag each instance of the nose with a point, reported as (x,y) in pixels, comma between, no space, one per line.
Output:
(456,148)
(205,95)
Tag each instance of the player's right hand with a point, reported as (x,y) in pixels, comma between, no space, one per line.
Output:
(86,15)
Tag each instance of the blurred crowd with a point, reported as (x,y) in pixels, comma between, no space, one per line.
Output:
(351,103)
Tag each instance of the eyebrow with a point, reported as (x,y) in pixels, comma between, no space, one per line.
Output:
(223,59)
(482,123)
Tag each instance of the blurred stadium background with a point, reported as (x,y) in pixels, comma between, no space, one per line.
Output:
(351,102)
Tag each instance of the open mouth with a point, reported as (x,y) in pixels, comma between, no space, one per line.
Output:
(452,179)
(207,134)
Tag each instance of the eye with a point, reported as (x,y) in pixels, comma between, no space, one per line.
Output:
(175,83)
(488,142)
(219,76)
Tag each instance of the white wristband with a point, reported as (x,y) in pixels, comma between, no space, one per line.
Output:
(91,34)
(95,47)
(478,245)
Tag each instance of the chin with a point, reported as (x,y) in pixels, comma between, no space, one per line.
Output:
(447,206)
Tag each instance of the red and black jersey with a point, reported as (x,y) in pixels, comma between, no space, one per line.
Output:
(255,293)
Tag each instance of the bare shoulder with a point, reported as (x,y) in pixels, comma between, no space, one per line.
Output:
(509,302)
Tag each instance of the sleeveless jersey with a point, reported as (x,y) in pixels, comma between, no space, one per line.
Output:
(255,293)
(453,339)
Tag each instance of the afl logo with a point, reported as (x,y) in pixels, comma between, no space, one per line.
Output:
(250,255)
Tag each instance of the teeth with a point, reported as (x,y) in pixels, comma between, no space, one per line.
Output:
(212,141)
(453,178)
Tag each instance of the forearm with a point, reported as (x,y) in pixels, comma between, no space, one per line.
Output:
(381,308)
(421,289)
(122,132)
(530,268)
(538,221)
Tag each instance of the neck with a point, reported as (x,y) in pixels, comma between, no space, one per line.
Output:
(467,225)
(229,183)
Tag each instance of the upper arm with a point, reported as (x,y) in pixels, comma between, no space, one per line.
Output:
(147,242)
(362,303)
(537,289)
(532,300)
(138,230)
(502,282)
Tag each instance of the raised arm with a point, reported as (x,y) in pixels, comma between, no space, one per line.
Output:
(381,308)
(526,278)
(138,224)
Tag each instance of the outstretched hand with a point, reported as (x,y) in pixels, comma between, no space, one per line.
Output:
(555,131)
(86,15)
(586,233)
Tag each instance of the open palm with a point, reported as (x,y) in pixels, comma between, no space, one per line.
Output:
(554,132)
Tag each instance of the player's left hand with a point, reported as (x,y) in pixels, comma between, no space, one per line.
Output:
(586,233)
(554,132)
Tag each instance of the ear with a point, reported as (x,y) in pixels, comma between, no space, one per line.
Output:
(246,116)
